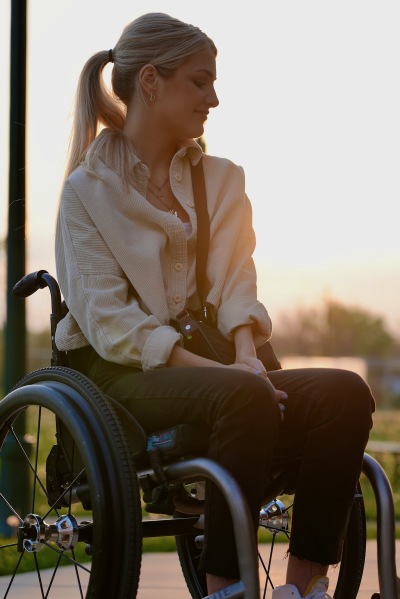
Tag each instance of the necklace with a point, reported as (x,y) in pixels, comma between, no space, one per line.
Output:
(157,191)
(159,195)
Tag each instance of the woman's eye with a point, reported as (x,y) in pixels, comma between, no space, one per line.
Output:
(199,83)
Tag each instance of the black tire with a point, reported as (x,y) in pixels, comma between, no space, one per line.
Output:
(189,552)
(63,404)
(346,579)
(354,549)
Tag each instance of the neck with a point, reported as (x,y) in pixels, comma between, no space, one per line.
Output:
(154,149)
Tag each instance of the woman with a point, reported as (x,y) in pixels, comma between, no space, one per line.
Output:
(125,253)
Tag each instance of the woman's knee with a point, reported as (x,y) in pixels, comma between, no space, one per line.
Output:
(251,395)
(351,395)
(353,386)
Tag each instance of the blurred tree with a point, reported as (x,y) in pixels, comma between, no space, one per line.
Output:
(355,332)
(334,330)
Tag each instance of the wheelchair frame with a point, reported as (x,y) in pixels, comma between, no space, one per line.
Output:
(200,468)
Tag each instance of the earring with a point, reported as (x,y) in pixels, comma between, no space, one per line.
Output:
(152,97)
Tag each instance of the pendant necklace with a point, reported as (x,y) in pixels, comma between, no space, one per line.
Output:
(159,194)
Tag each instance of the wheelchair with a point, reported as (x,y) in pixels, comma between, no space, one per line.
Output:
(87,472)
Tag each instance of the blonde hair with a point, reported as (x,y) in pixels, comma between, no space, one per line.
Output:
(153,38)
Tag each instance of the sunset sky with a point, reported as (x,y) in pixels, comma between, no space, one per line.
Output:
(309,106)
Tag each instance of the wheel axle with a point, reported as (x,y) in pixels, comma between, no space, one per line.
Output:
(35,533)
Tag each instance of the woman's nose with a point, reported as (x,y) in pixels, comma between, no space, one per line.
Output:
(212,99)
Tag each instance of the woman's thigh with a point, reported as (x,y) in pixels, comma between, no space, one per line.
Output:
(326,399)
(203,396)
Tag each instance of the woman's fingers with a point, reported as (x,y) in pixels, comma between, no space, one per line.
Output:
(281,395)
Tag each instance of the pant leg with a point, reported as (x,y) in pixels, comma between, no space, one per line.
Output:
(327,423)
(237,408)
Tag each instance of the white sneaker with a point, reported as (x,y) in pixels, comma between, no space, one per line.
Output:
(316,590)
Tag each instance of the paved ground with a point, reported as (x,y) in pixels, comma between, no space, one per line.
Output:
(169,584)
(162,579)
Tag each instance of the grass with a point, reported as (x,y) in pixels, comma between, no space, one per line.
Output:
(386,425)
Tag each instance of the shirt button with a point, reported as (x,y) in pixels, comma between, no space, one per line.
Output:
(190,204)
(177,299)
(178,177)
(178,266)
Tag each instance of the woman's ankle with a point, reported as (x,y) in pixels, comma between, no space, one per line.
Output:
(301,572)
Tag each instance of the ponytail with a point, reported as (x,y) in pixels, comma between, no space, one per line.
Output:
(94,106)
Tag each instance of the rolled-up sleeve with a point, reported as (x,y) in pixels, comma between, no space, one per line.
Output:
(158,347)
(242,310)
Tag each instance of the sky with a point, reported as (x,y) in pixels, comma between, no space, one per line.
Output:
(309,96)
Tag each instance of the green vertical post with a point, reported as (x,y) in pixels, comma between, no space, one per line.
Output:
(14,468)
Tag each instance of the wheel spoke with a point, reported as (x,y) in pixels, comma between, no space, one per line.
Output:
(8,545)
(10,507)
(53,575)
(67,557)
(38,574)
(33,469)
(267,569)
(14,574)
(39,416)
(77,573)
(66,491)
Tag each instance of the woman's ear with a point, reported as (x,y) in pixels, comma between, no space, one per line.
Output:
(147,78)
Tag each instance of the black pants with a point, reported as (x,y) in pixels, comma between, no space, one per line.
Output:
(326,424)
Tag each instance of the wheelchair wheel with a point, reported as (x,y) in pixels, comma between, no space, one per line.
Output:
(274,534)
(75,501)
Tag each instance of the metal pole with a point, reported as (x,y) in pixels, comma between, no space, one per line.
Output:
(14,468)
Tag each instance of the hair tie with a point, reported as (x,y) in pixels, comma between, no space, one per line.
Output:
(110,56)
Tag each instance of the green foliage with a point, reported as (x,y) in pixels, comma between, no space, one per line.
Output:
(334,330)
(156,544)
(352,331)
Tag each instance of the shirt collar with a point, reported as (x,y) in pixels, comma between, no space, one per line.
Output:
(187,147)
(192,149)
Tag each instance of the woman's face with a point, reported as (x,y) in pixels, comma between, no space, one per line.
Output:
(183,101)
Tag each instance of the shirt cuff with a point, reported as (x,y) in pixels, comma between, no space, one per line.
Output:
(158,347)
(245,311)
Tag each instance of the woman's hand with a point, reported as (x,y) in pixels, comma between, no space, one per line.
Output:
(253,365)
(246,359)
(183,358)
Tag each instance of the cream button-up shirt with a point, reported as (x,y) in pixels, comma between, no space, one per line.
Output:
(126,269)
